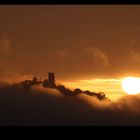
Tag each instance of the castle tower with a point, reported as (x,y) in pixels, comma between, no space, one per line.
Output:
(51,79)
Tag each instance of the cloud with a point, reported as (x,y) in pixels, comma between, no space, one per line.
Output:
(61,53)
(50,107)
(6,65)
(132,29)
(52,92)
(134,51)
(135,54)
(13,77)
(98,55)
(5,45)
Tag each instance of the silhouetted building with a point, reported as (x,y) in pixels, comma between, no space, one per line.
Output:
(45,84)
(51,79)
(50,82)
(27,84)
(34,80)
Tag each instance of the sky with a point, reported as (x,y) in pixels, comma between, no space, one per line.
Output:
(91,47)
(77,42)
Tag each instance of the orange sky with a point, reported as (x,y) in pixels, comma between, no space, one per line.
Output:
(75,42)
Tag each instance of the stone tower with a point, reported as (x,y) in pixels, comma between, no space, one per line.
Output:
(51,79)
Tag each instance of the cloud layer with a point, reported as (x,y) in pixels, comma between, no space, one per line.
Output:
(49,107)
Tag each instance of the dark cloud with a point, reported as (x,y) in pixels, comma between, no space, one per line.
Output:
(50,107)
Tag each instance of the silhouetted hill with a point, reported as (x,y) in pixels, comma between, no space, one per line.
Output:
(36,102)
(50,83)
(49,106)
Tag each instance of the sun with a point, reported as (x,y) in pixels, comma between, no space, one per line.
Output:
(131,85)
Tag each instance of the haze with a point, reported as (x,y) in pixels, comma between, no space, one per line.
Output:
(76,42)
(87,47)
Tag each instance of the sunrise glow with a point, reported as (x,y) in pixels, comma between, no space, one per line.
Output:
(131,85)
